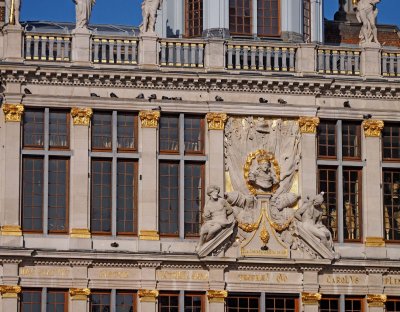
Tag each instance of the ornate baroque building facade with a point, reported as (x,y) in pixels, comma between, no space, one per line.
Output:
(229,161)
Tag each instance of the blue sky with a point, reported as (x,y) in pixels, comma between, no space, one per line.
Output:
(127,12)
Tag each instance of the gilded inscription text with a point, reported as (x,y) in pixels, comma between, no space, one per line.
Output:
(182,275)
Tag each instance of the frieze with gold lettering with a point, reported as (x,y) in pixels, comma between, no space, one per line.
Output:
(57,272)
(98,273)
(182,275)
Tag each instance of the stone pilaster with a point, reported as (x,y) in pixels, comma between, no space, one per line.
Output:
(79,299)
(373,207)
(216,300)
(214,55)
(9,298)
(371,62)
(13,36)
(11,234)
(305,63)
(376,303)
(215,149)
(148,210)
(310,301)
(80,164)
(148,300)
(148,51)
(308,165)
(81,41)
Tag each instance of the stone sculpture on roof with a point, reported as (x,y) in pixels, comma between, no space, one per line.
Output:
(149,13)
(83,12)
(12,12)
(366,14)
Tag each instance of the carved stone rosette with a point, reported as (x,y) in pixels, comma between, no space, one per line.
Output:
(308,124)
(217,296)
(10,291)
(11,230)
(81,116)
(216,121)
(376,300)
(149,119)
(147,295)
(13,112)
(373,128)
(310,298)
(79,293)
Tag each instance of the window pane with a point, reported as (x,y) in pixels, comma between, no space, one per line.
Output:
(240,17)
(353,304)
(125,302)
(391,141)
(169,134)
(31,300)
(194,18)
(59,129)
(33,128)
(329,304)
(57,301)
(352,203)
(100,301)
(32,194)
(393,305)
(351,136)
(58,195)
(168,303)
(126,131)
(275,303)
(268,17)
(126,202)
(391,202)
(194,196)
(327,139)
(101,196)
(169,198)
(194,134)
(193,302)
(238,303)
(102,130)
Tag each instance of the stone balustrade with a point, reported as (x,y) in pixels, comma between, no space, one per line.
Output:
(115,50)
(338,61)
(53,48)
(180,53)
(391,63)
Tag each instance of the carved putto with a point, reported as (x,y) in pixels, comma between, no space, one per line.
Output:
(13,8)
(83,10)
(366,14)
(149,13)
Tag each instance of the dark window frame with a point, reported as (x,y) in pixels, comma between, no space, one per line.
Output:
(190,20)
(278,18)
(389,126)
(100,293)
(236,31)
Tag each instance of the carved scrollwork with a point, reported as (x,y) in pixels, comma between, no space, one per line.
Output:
(216,121)
(149,119)
(373,128)
(308,124)
(81,116)
(13,112)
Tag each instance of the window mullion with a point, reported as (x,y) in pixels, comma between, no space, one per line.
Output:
(182,176)
(113,300)
(46,172)
(342,303)
(44,300)
(114,175)
(262,302)
(182,301)
(340,208)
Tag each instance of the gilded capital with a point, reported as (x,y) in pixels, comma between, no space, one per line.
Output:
(375,242)
(218,296)
(11,230)
(147,295)
(376,300)
(10,291)
(373,128)
(216,121)
(308,124)
(149,119)
(13,112)
(149,235)
(310,298)
(81,116)
(80,233)
(79,293)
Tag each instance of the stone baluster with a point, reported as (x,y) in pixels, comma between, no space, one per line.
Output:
(342,68)
(356,63)
(28,44)
(178,53)
(111,51)
(201,55)
(292,56)
(276,58)
(36,40)
(253,53)
(119,51)
(350,58)
(125,51)
(51,48)
(43,45)
(245,57)
(391,64)
(186,54)
(104,50)
(327,65)
(284,59)
(398,64)
(9,298)
(321,66)
(385,71)
(260,58)
(230,56)
(269,58)
(59,49)
(237,57)
(170,55)
(96,43)
(193,49)
(335,56)
(134,52)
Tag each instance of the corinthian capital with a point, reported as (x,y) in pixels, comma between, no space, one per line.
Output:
(13,112)
(79,293)
(81,116)
(373,128)
(308,124)
(216,121)
(10,291)
(310,298)
(149,119)
(376,300)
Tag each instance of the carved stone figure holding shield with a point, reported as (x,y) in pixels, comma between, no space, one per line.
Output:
(149,12)
(83,12)
(12,12)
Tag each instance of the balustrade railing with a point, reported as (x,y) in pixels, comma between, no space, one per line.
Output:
(52,48)
(338,61)
(260,57)
(391,64)
(182,54)
(115,51)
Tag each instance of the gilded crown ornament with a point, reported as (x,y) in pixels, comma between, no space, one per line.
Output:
(149,119)
(373,128)
(13,112)
(81,116)
(216,121)
(308,124)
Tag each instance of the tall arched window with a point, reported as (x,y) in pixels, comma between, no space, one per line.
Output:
(240,17)
(268,22)
(194,18)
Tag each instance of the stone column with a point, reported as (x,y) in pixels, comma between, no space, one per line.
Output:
(13,36)
(310,301)
(148,209)
(308,165)
(147,300)
(317,21)
(9,298)
(376,303)
(79,188)
(216,18)
(148,51)
(216,300)
(292,20)
(81,47)
(11,234)
(215,150)
(79,299)
(373,214)
(371,61)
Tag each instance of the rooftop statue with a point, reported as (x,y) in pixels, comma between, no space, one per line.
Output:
(83,12)
(149,13)
(366,14)
(12,12)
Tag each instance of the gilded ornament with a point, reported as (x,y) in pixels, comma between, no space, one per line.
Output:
(375,242)
(310,298)
(80,233)
(216,121)
(13,112)
(264,236)
(248,228)
(10,291)
(149,235)
(81,116)
(217,296)
(373,128)
(308,124)
(146,295)
(149,119)
(376,300)
(79,293)
(11,230)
